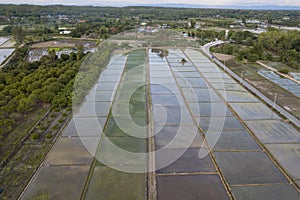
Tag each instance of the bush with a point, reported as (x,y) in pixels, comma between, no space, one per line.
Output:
(34,136)
(56,109)
(284,71)
(42,128)
(48,136)
(252,57)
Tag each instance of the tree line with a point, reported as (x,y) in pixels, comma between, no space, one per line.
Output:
(145,13)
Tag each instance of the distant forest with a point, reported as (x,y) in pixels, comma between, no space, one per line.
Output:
(162,13)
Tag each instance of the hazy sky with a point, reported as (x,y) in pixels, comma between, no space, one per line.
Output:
(128,2)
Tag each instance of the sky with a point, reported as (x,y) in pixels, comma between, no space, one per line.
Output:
(133,2)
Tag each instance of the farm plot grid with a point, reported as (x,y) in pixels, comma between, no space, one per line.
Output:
(212,138)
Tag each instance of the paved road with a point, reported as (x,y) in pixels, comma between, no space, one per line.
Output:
(270,102)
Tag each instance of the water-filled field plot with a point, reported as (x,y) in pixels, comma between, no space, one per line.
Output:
(248,168)
(189,162)
(275,192)
(289,157)
(209,109)
(274,131)
(57,182)
(228,87)
(177,137)
(204,186)
(253,111)
(107,183)
(231,140)
(5,53)
(70,151)
(85,127)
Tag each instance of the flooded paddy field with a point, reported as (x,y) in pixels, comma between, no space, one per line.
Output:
(5,53)
(206,136)
(7,42)
(3,40)
(285,83)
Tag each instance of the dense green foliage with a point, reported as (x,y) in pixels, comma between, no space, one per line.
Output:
(285,44)
(26,86)
(273,45)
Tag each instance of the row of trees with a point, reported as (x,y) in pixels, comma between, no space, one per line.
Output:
(92,66)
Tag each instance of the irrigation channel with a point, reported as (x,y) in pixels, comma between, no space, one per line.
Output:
(211,138)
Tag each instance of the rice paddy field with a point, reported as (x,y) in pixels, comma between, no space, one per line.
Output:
(5,53)
(285,83)
(170,122)
(6,48)
(7,42)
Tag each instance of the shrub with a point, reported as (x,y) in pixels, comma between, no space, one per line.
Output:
(42,128)
(284,71)
(56,109)
(55,127)
(48,136)
(34,136)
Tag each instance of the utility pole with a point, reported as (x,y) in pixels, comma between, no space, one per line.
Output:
(242,74)
(274,104)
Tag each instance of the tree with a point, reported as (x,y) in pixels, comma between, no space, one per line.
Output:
(244,20)
(52,55)
(193,23)
(73,56)
(47,96)
(7,123)
(80,52)
(64,57)
(284,71)
(18,34)
(23,105)
(291,57)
